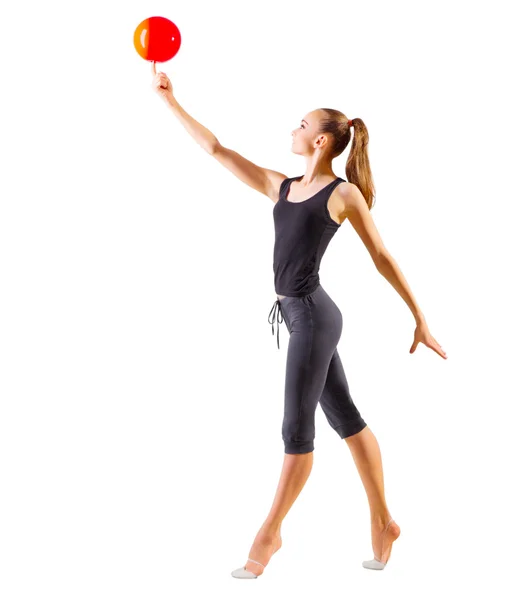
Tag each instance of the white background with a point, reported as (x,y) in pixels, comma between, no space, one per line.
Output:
(141,386)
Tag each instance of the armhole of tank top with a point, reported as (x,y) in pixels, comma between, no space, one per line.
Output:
(283,186)
(329,219)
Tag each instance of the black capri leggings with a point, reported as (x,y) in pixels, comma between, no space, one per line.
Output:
(314,371)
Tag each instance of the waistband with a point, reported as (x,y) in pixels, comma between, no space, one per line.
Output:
(276,311)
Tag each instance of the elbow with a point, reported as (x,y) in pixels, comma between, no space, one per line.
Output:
(382,260)
(213,147)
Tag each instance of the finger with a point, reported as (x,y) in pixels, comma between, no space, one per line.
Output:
(440,351)
(438,344)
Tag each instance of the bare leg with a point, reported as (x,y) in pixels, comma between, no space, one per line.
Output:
(366,454)
(295,473)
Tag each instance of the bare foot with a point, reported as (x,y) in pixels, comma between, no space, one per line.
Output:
(263,548)
(382,538)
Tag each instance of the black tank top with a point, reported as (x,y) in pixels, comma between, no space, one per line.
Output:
(303,231)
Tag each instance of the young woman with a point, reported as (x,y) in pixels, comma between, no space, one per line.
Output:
(307,212)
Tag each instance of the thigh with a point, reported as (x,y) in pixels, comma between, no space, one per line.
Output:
(314,329)
(336,401)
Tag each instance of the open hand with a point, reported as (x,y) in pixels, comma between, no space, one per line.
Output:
(422,334)
(161,84)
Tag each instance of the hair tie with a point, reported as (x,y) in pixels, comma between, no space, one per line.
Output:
(350,123)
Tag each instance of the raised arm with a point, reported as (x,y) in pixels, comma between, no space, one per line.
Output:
(263,180)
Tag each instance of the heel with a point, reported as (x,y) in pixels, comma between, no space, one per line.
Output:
(375,563)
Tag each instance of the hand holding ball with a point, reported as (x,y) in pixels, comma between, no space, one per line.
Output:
(162,85)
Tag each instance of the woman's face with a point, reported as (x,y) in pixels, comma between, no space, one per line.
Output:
(301,135)
(304,136)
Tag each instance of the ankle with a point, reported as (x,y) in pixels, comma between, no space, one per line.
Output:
(380,518)
(271,528)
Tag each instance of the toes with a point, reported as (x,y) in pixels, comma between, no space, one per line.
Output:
(242,573)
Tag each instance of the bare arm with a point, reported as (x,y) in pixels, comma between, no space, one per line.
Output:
(204,137)
(357,211)
(263,180)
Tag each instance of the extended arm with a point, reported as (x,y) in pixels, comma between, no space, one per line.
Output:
(265,181)
(204,137)
(357,211)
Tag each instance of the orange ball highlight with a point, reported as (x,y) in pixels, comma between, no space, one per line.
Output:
(157,39)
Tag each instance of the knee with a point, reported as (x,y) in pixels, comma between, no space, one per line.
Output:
(351,428)
(297,440)
(291,447)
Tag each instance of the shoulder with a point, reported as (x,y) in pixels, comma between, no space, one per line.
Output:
(351,195)
(350,201)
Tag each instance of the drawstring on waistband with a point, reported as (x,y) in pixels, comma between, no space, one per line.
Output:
(275,309)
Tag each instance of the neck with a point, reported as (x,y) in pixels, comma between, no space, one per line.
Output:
(316,173)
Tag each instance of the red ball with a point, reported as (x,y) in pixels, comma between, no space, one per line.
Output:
(157,39)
